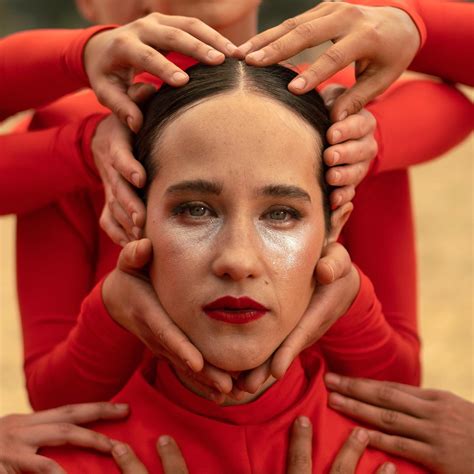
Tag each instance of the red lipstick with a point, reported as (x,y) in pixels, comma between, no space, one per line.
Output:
(235,310)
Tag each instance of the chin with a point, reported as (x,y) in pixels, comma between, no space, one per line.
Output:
(237,359)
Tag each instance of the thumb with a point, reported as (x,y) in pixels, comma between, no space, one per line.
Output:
(135,256)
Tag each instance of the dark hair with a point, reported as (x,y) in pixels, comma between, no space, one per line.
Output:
(232,74)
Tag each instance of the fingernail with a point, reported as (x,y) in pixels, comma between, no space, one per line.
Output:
(257,56)
(123,243)
(361,435)
(135,179)
(332,379)
(121,406)
(119,449)
(231,48)
(335,157)
(164,440)
(342,116)
(135,218)
(245,48)
(336,177)
(179,76)
(136,232)
(336,400)
(130,123)
(218,387)
(329,103)
(213,54)
(336,136)
(304,421)
(189,365)
(335,204)
(298,83)
(389,468)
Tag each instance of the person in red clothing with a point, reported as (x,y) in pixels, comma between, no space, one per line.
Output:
(237,219)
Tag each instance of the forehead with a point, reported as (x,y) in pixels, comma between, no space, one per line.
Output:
(239,132)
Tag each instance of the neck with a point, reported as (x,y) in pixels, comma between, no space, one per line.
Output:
(242,30)
(191,385)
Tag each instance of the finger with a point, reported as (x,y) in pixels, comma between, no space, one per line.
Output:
(383,394)
(338,198)
(57,434)
(399,446)
(332,60)
(387,468)
(132,205)
(126,459)
(391,421)
(141,92)
(202,387)
(171,457)
(36,463)
(111,227)
(352,127)
(347,175)
(135,256)
(129,168)
(335,263)
(351,152)
(300,447)
(272,34)
(80,413)
(368,86)
(349,455)
(217,378)
(252,380)
(202,31)
(124,220)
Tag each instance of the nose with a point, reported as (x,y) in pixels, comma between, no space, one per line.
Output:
(238,254)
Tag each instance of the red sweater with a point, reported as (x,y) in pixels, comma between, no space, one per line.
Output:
(90,357)
(250,438)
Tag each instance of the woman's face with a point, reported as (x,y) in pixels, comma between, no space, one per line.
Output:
(236,212)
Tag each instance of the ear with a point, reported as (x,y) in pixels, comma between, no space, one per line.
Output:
(338,219)
(87,10)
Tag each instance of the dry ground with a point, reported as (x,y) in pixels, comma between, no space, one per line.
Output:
(443,201)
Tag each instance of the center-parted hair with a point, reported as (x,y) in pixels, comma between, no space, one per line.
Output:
(232,75)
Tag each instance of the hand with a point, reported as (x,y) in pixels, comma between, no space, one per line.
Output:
(381,40)
(352,147)
(431,427)
(123,215)
(132,302)
(338,286)
(299,453)
(112,58)
(349,455)
(22,435)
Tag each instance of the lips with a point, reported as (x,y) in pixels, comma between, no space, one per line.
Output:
(233,310)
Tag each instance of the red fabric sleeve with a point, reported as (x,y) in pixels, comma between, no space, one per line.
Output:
(73,353)
(37,67)
(418,121)
(363,344)
(39,166)
(448,50)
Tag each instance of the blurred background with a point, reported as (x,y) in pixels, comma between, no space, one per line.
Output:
(443,207)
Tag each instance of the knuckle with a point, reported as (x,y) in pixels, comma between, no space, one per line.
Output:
(68,411)
(385,393)
(64,429)
(305,30)
(339,467)
(46,466)
(350,385)
(334,56)
(146,56)
(171,35)
(290,24)
(300,459)
(400,445)
(277,46)
(192,22)
(357,102)
(389,417)
(119,42)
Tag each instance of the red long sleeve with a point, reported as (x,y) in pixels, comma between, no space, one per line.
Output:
(447,52)
(72,353)
(37,67)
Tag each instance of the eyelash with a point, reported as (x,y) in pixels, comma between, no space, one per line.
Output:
(185,210)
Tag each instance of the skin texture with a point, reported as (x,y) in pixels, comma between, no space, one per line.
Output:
(236,241)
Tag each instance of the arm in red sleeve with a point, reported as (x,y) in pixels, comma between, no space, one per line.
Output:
(363,344)
(74,352)
(37,167)
(447,52)
(37,67)
(418,121)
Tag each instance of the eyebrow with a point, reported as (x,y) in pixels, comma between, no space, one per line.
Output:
(283,190)
(209,187)
(198,185)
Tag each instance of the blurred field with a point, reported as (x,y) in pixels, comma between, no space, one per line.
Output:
(443,201)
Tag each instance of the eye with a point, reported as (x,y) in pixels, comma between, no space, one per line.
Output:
(282,215)
(193,210)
